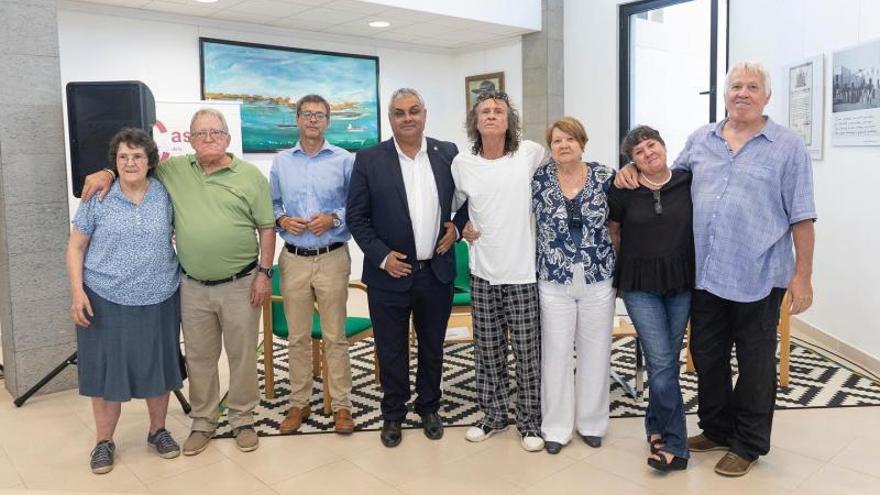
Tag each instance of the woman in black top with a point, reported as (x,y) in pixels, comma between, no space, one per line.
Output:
(652,231)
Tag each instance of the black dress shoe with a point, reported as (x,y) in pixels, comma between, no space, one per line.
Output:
(594,442)
(553,447)
(391,433)
(433,425)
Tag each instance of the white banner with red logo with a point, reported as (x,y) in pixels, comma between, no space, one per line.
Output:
(171,131)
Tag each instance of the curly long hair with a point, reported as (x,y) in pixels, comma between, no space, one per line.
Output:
(514,130)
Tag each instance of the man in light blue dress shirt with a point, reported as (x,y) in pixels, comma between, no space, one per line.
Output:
(309,185)
(753,233)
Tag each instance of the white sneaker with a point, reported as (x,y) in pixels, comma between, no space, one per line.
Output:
(532,443)
(480,433)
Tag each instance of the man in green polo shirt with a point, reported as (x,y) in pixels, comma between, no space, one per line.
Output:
(219,203)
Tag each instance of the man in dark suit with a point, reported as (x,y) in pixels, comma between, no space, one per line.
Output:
(398,211)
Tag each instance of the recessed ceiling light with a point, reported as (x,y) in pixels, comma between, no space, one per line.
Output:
(379,24)
(206,1)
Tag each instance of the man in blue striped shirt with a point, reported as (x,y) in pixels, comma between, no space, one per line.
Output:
(309,185)
(753,202)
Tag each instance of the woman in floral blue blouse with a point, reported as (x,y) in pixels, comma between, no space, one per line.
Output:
(123,280)
(575,269)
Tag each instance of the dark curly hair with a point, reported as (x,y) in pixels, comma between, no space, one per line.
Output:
(635,136)
(514,131)
(134,138)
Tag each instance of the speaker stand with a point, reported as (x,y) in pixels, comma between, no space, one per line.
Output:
(71,360)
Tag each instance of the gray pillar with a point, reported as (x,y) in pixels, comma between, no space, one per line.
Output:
(34,295)
(543,75)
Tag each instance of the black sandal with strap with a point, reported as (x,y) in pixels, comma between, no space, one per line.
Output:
(661,464)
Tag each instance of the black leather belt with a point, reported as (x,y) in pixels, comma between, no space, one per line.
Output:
(313,252)
(243,273)
(421,265)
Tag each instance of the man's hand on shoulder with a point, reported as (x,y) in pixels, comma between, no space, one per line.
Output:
(97,182)
(627,177)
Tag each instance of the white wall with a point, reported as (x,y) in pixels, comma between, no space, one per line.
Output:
(591,90)
(775,33)
(848,231)
(163,52)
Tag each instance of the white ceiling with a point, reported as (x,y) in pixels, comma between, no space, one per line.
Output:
(346,17)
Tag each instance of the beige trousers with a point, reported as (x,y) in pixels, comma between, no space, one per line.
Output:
(213,317)
(305,281)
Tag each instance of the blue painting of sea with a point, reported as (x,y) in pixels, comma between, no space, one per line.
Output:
(267,127)
(268,81)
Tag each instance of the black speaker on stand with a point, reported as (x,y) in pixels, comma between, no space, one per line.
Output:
(96,111)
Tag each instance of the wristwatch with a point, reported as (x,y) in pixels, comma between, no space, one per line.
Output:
(336,221)
(269,272)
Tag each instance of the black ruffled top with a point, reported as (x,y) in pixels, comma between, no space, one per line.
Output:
(656,242)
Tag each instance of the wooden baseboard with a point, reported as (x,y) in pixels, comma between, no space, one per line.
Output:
(809,333)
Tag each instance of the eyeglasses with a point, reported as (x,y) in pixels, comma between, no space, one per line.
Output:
(493,95)
(134,157)
(658,207)
(319,116)
(214,133)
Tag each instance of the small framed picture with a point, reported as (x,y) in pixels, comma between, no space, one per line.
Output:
(481,83)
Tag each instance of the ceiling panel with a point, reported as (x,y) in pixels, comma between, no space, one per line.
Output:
(343,17)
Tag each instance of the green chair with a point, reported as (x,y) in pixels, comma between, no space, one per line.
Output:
(461,296)
(275,323)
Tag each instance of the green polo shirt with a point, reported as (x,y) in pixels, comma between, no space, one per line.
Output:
(216,216)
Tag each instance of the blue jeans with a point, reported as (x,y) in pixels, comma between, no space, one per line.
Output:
(660,322)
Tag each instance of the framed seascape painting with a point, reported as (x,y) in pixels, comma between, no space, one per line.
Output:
(474,85)
(268,80)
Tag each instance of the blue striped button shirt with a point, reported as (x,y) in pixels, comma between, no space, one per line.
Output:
(303,185)
(744,206)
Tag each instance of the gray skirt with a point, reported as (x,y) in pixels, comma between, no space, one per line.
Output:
(129,351)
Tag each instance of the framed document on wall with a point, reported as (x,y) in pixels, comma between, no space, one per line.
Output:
(806,90)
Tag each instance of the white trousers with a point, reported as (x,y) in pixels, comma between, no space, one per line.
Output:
(575,318)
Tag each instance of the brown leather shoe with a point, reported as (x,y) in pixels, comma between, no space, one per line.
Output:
(701,443)
(733,465)
(344,423)
(294,419)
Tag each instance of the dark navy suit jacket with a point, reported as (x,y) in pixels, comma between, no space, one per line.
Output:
(377,214)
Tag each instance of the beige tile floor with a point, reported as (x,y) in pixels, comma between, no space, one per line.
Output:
(45,447)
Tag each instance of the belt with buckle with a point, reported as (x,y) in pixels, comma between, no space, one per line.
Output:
(421,265)
(313,252)
(243,273)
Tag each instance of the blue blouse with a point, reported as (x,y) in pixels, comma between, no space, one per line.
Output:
(557,251)
(130,259)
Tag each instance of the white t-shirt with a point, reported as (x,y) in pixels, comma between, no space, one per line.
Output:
(499,195)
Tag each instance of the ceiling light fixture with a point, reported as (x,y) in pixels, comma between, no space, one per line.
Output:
(206,1)
(379,24)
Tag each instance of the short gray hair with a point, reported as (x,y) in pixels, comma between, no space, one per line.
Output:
(209,112)
(753,67)
(403,93)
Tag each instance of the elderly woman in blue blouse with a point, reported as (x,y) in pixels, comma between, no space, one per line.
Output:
(575,268)
(652,228)
(123,279)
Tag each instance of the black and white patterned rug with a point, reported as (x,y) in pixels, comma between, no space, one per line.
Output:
(816,381)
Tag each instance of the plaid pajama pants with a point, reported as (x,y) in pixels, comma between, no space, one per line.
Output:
(499,311)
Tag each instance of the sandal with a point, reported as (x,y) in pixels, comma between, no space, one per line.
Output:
(661,464)
(656,444)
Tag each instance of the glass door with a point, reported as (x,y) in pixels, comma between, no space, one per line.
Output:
(669,66)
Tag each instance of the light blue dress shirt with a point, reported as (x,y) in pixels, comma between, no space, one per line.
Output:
(303,185)
(744,206)
(130,259)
